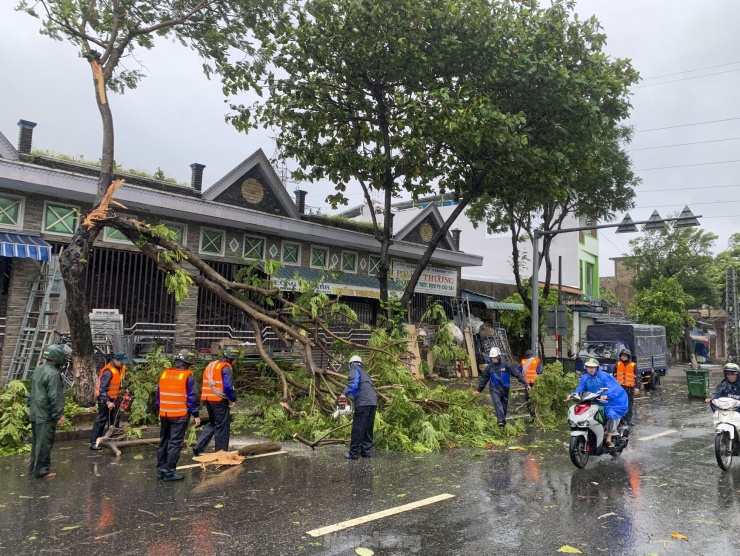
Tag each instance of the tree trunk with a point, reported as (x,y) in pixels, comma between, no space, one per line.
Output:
(74,259)
(689,346)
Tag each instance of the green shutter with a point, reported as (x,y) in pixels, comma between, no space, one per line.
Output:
(112,234)
(60,219)
(254,248)
(290,253)
(179,232)
(374,265)
(318,257)
(211,241)
(10,210)
(349,262)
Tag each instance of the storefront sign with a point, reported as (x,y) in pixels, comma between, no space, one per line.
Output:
(437,281)
(328,288)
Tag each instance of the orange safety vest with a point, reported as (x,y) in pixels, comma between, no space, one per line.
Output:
(530,369)
(213,383)
(114,387)
(626,374)
(173,392)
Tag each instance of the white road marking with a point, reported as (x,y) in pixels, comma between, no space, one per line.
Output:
(378,515)
(653,436)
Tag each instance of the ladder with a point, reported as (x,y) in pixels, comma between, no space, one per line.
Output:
(38,327)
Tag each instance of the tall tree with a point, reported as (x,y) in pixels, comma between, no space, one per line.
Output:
(414,96)
(664,302)
(684,254)
(108,33)
(728,258)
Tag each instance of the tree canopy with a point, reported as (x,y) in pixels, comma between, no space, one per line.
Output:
(468,97)
(663,302)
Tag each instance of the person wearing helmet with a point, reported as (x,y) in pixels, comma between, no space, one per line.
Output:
(729,387)
(360,387)
(217,394)
(615,398)
(498,377)
(176,401)
(109,393)
(628,379)
(46,410)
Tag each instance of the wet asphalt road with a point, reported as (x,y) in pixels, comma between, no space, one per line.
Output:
(524,501)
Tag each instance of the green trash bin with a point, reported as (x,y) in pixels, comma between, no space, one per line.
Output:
(698,383)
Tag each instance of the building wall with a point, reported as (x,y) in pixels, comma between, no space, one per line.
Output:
(621,283)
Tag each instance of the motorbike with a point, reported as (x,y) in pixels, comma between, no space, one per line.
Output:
(587,421)
(727,423)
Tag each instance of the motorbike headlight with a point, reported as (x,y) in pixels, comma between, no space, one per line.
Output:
(571,423)
(582,423)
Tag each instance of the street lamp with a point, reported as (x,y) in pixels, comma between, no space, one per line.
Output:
(627,225)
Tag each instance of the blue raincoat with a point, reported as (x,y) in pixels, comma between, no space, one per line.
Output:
(615,406)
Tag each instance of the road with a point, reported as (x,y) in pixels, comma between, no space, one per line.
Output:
(523,499)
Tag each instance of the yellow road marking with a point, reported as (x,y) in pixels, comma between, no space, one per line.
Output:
(378,515)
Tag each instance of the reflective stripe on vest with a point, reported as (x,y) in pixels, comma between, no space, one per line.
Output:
(626,374)
(114,387)
(213,382)
(173,393)
(529,369)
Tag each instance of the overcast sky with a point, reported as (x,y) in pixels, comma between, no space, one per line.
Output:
(176,116)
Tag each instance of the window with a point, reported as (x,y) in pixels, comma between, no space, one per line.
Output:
(211,242)
(180,231)
(374,265)
(349,261)
(61,219)
(589,279)
(319,257)
(291,253)
(11,212)
(254,247)
(111,234)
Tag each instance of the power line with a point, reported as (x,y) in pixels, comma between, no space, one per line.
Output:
(686,125)
(685,165)
(685,78)
(606,237)
(688,188)
(693,70)
(700,203)
(685,144)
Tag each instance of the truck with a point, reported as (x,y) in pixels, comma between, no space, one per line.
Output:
(647,342)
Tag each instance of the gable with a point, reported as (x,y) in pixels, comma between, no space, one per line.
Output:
(7,150)
(254,185)
(424,231)
(423,226)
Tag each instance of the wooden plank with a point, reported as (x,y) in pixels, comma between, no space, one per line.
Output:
(471,353)
(192,465)
(413,348)
(378,515)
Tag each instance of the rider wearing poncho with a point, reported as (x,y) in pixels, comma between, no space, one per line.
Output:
(614,398)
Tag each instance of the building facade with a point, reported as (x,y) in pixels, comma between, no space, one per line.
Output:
(246,215)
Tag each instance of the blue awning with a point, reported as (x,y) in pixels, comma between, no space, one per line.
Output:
(24,246)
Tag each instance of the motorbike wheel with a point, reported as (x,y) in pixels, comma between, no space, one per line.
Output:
(579,451)
(723,450)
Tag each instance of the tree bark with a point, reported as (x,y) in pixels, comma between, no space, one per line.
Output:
(74,259)
(689,346)
(261,448)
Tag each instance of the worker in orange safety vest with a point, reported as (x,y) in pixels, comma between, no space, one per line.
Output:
(530,368)
(217,394)
(108,391)
(177,400)
(628,379)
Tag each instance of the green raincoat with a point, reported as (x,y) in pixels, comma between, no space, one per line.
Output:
(46,404)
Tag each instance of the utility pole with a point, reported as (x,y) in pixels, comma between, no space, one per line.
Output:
(731,305)
(560,302)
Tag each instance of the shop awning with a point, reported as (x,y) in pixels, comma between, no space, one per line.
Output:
(490,302)
(333,283)
(24,246)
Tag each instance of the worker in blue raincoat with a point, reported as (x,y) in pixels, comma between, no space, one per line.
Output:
(614,398)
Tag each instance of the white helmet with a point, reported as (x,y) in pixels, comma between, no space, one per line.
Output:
(495,352)
(355,359)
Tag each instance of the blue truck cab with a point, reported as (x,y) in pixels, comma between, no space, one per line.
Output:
(647,343)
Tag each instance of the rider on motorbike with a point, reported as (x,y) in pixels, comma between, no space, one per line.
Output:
(729,387)
(614,398)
